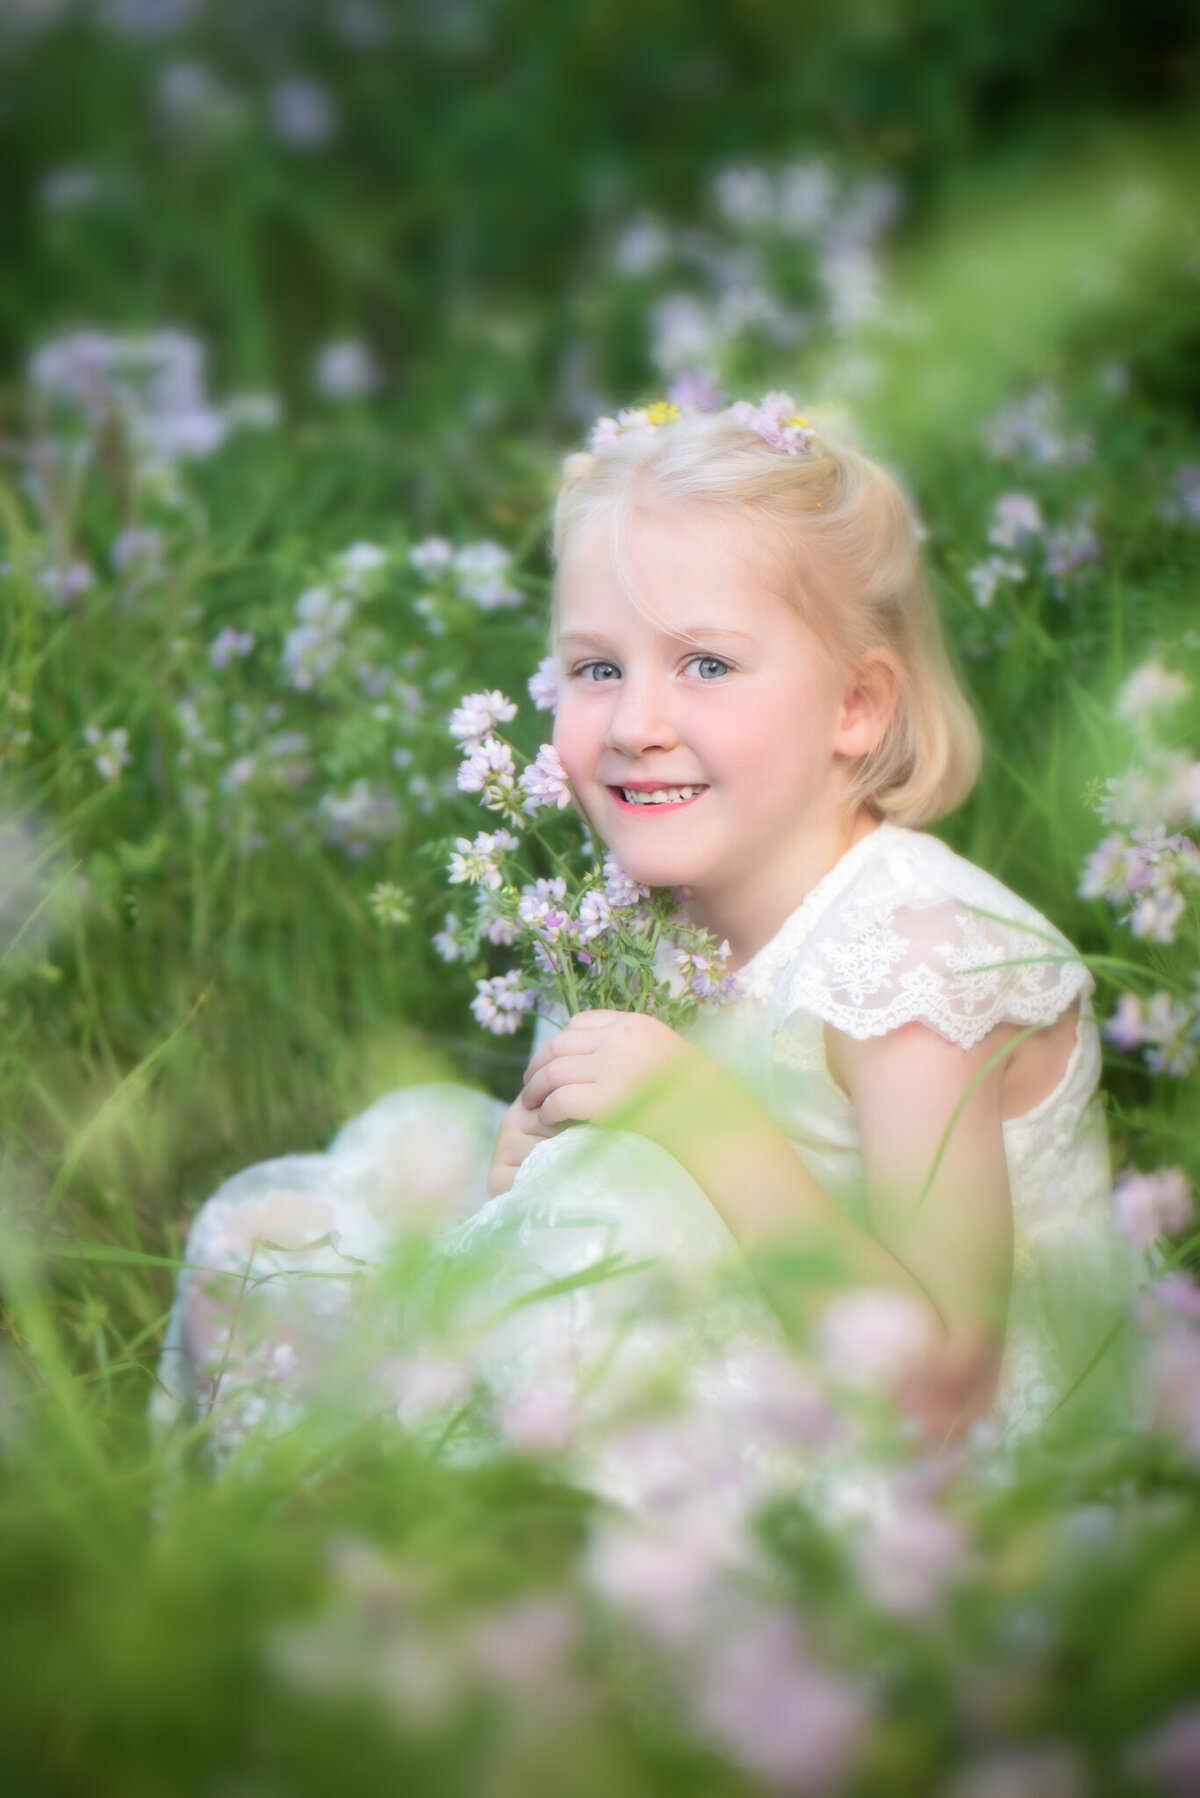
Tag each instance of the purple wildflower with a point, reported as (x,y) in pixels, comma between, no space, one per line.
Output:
(542,911)
(1183,507)
(137,550)
(302,115)
(701,972)
(595,915)
(1126,1028)
(1069,549)
(64,584)
(621,890)
(230,645)
(695,391)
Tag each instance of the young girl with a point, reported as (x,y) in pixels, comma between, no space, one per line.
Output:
(755,706)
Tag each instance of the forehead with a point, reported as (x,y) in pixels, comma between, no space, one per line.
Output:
(668,566)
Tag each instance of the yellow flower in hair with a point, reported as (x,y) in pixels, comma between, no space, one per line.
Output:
(662,412)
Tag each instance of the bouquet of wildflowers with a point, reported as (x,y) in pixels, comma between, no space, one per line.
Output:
(591,938)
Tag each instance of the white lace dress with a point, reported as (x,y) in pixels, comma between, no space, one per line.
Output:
(614,1236)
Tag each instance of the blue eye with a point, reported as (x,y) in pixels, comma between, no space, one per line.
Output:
(599,671)
(709,667)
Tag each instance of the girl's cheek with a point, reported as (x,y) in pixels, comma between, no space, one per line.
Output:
(567,737)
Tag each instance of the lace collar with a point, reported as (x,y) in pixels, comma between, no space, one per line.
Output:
(759,975)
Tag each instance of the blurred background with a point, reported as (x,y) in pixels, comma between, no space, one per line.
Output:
(301,301)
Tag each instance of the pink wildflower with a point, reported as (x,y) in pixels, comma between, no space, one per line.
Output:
(906,1561)
(1043,1770)
(487,768)
(777,1709)
(1169,1759)
(544,781)
(1149,691)
(778,422)
(538,1419)
(1147,1206)
(870,1339)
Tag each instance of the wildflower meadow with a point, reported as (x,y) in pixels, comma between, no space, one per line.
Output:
(302,306)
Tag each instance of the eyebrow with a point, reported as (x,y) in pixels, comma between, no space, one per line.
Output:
(691,633)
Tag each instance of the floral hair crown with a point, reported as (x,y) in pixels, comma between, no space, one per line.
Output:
(775,419)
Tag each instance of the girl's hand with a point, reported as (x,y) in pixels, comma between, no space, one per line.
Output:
(519,1131)
(602,1064)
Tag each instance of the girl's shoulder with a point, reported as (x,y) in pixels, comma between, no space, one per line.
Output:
(902,931)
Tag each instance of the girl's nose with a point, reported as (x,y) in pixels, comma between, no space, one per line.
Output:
(640,719)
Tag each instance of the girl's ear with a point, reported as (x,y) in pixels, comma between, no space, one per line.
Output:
(870,700)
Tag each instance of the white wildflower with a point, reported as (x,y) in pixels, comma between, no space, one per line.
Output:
(1016,521)
(111,750)
(478,714)
(543,684)
(481,570)
(346,370)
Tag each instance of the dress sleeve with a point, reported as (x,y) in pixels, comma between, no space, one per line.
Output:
(924,937)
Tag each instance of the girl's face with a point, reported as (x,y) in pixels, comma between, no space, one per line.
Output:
(704,729)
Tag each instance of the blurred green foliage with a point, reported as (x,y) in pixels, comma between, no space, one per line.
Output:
(190,983)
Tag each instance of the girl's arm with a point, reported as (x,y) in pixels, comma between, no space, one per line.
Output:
(948,1248)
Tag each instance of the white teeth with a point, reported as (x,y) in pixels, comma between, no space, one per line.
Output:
(660,796)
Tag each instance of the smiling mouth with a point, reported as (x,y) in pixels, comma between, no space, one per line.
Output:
(654,798)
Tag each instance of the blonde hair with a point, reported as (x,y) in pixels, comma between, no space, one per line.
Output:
(838,540)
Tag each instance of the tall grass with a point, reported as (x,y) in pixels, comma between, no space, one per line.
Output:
(195,976)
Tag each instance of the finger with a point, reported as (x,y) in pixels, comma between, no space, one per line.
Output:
(562,1044)
(565,1070)
(568,1105)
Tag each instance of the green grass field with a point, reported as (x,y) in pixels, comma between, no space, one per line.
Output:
(289,292)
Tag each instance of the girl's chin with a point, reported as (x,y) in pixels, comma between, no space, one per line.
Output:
(650,872)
